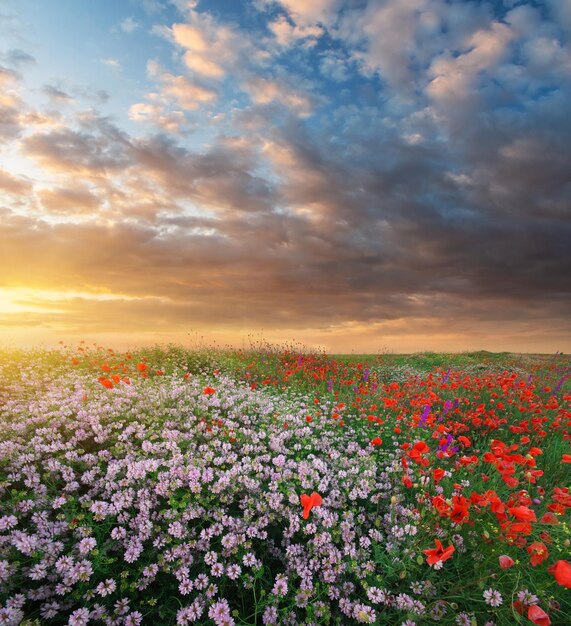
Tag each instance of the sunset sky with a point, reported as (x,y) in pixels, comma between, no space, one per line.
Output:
(359,175)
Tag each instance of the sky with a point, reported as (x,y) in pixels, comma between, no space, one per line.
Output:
(354,175)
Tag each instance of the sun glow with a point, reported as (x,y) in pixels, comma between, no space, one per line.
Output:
(26,300)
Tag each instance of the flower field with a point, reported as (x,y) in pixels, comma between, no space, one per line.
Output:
(277,487)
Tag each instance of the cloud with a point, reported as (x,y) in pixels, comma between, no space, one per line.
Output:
(211,48)
(153,7)
(13,184)
(455,77)
(307,13)
(181,91)
(112,63)
(96,151)
(264,91)
(11,104)
(17,58)
(186,93)
(287,33)
(428,201)
(57,95)
(70,201)
(158,115)
(129,25)
(8,77)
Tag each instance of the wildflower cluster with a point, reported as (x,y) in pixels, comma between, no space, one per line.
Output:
(136,491)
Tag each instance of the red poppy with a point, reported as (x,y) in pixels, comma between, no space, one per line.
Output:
(523,513)
(537,552)
(377,441)
(538,616)
(562,573)
(308,502)
(505,561)
(106,383)
(519,607)
(566,458)
(440,504)
(208,391)
(434,555)
(141,367)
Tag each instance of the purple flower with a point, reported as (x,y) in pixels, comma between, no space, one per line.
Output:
(133,619)
(220,613)
(270,616)
(80,617)
(493,597)
(280,585)
(424,415)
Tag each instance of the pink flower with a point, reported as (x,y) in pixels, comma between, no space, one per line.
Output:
(505,561)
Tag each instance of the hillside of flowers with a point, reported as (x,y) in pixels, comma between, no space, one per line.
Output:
(283,487)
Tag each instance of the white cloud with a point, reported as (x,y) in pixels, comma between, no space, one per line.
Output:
(8,77)
(180,90)
(455,77)
(129,25)
(287,33)
(305,12)
(211,49)
(546,54)
(186,93)
(334,67)
(157,115)
(113,63)
(266,90)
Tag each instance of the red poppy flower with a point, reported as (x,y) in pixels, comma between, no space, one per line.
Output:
(208,391)
(523,513)
(406,481)
(141,367)
(549,518)
(505,561)
(438,554)
(377,441)
(537,552)
(538,616)
(562,573)
(519,607)
(308,502)
(106,383)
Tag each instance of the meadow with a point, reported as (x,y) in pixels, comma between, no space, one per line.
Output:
(279,486)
